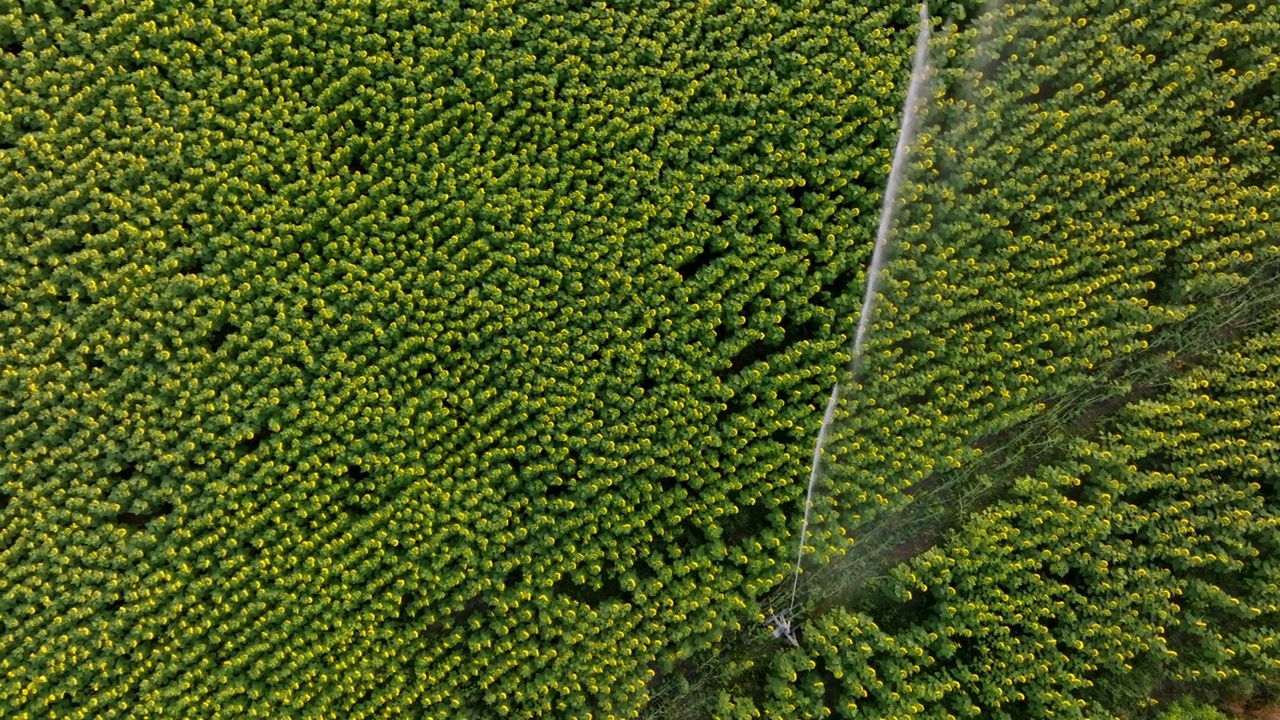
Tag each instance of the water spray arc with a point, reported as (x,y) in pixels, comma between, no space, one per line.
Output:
(782,622)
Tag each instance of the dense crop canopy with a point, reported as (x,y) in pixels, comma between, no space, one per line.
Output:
(452,359)
(1146,553)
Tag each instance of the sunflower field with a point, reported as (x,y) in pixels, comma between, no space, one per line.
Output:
(464,359)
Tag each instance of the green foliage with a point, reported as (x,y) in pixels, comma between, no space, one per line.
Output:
(1188,710)
(1054,244)
(1147,553)
(1064,213)
(460,360)
(441,358)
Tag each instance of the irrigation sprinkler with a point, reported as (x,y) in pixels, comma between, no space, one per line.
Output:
(782,621)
